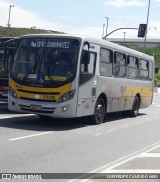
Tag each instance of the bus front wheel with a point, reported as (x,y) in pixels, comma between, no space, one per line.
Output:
(99,112)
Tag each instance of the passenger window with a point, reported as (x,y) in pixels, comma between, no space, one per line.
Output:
(150,70)
(143,69)
(132,67)
(119,64)
(106,62)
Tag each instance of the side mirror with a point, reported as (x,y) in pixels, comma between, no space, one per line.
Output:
(87,44)
(85,57)
(85,54)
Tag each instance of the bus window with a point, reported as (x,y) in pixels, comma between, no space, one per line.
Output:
(132,67)
(22,58)
(143,69)
(150,70)
(2,62)
(106,62)
(89,68)
(119,64)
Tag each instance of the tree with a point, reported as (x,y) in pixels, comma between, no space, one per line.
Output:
(150,51)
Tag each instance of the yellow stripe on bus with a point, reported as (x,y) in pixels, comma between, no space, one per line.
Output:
(132,91)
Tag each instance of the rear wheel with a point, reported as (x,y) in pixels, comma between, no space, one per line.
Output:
(99,112)
(135,108)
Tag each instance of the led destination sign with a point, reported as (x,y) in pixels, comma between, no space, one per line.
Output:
(51,44)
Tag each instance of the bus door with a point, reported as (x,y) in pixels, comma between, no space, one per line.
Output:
(87,83)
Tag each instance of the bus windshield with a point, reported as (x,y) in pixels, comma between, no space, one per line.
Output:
(5,58)
(6,52)
(2,63)
(45,62)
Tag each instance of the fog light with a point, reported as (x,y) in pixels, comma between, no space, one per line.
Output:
(65,108)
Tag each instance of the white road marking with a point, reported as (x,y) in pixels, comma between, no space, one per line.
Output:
(149,155)
(109,167)
(22,115)
(29,136)
(158,105)
(137,154)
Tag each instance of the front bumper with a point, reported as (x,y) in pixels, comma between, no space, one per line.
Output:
(56,110)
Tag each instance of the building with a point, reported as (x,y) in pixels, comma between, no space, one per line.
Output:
(150,43)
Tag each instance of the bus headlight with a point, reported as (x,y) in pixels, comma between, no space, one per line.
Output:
(12,92)
(67,96)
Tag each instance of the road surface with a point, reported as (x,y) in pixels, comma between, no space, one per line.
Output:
(121,144)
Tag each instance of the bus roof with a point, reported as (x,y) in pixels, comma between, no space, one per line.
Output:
(3,39)
(99,41)
(11,42)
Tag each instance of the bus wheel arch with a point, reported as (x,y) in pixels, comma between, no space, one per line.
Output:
(99,110)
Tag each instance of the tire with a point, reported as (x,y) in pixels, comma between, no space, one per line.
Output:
(135,108)
(99,112)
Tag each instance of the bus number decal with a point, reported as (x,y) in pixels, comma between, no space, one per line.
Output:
(48,97)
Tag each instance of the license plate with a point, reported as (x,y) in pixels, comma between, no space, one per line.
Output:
(48,97)
(3,88)
(36,107)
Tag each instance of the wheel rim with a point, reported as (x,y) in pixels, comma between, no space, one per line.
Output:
(99,113)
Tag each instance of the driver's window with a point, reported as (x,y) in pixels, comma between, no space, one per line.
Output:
(89,68)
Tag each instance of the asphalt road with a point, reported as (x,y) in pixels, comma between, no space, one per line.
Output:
(29,144)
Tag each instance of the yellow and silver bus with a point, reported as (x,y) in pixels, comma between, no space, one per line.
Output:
(97,77)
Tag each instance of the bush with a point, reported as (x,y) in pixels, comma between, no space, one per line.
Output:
(157,79)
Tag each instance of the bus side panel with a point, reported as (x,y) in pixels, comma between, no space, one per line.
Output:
(114,91)
(86,98)
(147,94)
(121,92)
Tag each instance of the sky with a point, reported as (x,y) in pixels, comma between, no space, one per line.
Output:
(84,17)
